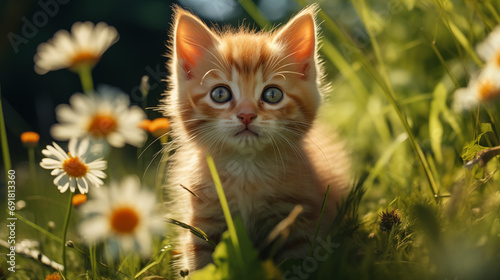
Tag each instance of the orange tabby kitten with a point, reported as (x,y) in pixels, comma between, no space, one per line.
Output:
(250,100)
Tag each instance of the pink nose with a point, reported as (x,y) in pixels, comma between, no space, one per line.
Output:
(246,119)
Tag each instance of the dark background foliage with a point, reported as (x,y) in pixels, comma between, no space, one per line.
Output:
(30,99)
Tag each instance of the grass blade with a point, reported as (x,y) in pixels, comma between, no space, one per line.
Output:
(382,78)
(38,228)
(254,12)
(225,208)
(194,230)
(319,221)
(5,145)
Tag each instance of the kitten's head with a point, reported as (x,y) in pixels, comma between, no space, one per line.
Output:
(241,88)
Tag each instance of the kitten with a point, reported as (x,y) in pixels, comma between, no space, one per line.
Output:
(250,100)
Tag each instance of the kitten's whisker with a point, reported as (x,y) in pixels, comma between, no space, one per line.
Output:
(289,72)
(298,152)
(285,65)
(312,142)
(200,134)
(284,78)
(276,71)
(208,72)
(306,125)
(213,136)
(283,58)
(272,69)
(213,55)
(162,152)
(274,143)
(310,129)
(220,145)
(273,63)
(205,138)
(216,143)
(196,132)
(166,146)
(150,144)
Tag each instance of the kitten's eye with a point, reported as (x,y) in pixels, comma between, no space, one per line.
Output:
(221,94)
(272,95)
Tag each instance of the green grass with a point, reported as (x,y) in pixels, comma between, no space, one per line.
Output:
(393,71)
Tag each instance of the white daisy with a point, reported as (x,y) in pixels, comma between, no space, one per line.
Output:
(465,99)
(123,215)
(72,169)
(84,46)
(104,116)
(486,86)
(489,49)
(481,90)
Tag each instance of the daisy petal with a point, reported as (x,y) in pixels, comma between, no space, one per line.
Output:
(63,188)
(84,45)
(108,208)
(72,184)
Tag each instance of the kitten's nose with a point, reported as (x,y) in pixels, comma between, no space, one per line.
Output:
(246,119)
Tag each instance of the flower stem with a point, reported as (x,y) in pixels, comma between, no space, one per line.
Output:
(5,145)
(93,262)
(85,74)
(65,231)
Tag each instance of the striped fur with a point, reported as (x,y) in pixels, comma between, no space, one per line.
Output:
(285,161)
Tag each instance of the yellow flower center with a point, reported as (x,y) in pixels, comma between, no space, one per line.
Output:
(124,220)
(102,125)
(498,59)
(74,167)
(488,91)
(82,58)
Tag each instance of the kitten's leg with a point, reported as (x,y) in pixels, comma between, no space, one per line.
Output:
(195,254)
(198,252)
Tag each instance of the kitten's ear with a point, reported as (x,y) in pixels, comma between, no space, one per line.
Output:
(192,39)
(299,35)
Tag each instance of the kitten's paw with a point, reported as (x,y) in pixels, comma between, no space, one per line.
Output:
(184,272)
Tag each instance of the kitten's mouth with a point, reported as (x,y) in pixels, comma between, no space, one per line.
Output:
(247,132)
